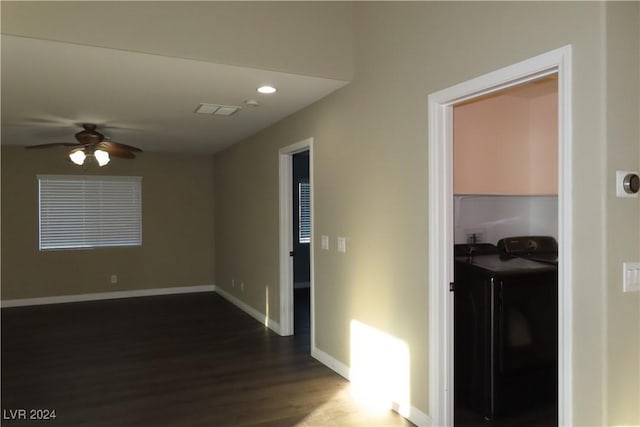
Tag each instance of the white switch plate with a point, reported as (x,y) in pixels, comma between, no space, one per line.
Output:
(631,276)
(324,242)
(342,244)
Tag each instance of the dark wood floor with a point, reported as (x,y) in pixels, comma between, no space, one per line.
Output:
(180,360)
(537,417)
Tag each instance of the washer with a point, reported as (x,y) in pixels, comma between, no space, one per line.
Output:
(505,331)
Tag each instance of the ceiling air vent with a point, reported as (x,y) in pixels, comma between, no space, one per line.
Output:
(215,109)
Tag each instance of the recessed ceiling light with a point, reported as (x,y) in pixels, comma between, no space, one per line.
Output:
(266,89)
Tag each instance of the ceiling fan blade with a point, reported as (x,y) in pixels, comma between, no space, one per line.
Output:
(115,150)
(56,144)
(124,146)
(90,140)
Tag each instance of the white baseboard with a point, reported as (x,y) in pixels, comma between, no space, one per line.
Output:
(106,295)
(330,362)
(260,317)
(416,416)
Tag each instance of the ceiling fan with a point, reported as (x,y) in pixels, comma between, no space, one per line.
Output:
(91,143)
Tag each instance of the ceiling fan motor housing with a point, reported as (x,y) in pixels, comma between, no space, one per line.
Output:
(89,135)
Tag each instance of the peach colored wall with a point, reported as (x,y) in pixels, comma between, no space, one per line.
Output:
(506,145)
(543,143)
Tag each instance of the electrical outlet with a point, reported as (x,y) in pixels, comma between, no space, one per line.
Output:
(242,286)
(114,279)
(233,283)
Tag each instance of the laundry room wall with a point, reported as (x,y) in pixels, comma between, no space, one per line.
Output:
(490,218)
(508,143)
(506,164)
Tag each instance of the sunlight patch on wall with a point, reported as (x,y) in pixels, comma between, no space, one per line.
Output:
(379,369)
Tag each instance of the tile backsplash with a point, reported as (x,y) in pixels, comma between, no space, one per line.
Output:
(490,218)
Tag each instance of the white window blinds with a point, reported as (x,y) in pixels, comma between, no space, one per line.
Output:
(89,211)
(304,199)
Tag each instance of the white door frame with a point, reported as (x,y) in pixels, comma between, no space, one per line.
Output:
(286,239)
(441,224)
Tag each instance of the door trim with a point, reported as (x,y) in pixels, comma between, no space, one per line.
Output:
(285,161)
(440,144)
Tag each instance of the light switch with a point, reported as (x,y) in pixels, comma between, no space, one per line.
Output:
(342,244)
(631,276)
(324,242)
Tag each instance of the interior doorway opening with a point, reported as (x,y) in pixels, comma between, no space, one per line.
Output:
(441,224)
(505,198)
(296,241)
(301,235)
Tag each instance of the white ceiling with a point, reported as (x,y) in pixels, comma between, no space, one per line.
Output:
(139,99)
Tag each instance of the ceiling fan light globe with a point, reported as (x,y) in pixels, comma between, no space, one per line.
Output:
(78,157)
(102,157)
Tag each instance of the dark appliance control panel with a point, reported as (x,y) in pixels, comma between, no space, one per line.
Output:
(527,245)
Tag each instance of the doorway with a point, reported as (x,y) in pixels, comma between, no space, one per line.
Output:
(296,241)
(505,166)
(441,224)
(301,234)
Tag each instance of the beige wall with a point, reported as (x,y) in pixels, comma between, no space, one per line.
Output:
(370,168)
(622,224)
(370,164)
(177,228)
(310,38)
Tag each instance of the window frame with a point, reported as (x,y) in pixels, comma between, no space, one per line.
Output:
(304,232)
(109,218)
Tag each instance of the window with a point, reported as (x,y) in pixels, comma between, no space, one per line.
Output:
(304,200)
(89,211)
